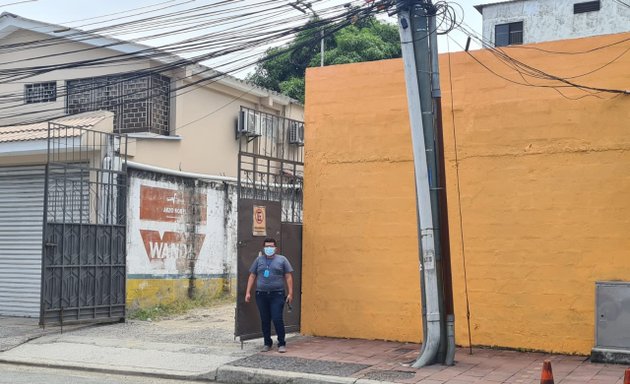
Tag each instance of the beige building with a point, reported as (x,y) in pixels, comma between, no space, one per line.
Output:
(113,237)
(173,120)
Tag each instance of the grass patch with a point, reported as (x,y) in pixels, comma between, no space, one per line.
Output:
(162,311)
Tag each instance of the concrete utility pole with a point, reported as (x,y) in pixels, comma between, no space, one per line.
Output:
(418,34)
(298,5)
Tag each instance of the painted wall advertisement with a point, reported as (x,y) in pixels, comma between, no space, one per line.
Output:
(175,229)
(172,206)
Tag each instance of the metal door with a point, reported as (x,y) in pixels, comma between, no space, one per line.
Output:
(84,241)
(291,247)
(270,175)
(249,246)
(21,213)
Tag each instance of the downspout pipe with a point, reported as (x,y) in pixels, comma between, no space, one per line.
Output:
(426,234)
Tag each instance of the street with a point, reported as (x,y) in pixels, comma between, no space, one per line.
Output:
(18,374)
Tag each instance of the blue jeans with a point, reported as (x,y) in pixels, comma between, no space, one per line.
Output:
(270,306)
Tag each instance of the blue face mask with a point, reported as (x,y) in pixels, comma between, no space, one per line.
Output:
(269,251)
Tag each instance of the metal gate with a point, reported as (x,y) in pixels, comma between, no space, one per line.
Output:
(84,239)
(270,180)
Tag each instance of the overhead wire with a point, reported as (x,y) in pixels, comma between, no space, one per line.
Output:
(11,74)
(524,70)
(360,13)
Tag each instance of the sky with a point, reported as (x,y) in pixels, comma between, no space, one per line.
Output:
(63,12)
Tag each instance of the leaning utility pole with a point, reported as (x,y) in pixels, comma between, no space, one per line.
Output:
(418,33)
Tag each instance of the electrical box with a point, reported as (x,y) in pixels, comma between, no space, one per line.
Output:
(612,323)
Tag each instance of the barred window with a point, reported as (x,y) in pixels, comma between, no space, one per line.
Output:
(508,34)
(40,92)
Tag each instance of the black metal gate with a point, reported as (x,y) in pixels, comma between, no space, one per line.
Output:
(270,180)
(84,250)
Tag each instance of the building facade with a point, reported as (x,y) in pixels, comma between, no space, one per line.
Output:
(537,184)
(517,22)
(182,128)
(175,118)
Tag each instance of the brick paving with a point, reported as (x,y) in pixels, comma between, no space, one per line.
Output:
(389,361)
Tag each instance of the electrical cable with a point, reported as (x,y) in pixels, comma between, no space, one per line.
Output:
(459,199)
(360,14)
(527,70)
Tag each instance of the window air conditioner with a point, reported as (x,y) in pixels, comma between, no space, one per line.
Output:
(296,133)
(248,124)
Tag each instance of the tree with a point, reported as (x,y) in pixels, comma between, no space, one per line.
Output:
(284,67)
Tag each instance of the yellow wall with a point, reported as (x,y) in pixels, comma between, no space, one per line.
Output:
(544,198)
(145,293)
(360,265)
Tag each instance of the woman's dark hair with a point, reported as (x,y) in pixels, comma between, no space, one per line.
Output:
(270,240)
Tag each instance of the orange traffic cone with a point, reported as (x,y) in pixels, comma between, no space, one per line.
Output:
(626,378)
(546,377)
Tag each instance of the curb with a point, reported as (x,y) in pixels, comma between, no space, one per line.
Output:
(239,375)
(204,377)
(225,374)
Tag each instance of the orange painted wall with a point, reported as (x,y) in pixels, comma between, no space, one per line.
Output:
(545,186)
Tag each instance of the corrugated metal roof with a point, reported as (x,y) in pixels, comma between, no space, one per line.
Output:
(39,131)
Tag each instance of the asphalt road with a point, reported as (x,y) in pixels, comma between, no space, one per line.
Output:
(17,374)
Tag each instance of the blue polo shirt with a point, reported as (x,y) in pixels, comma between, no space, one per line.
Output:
(277,265)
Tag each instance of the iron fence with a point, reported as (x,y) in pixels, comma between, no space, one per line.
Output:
(84,250)
(271,161)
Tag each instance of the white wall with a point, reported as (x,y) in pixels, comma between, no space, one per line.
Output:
(158,234)
(548,20)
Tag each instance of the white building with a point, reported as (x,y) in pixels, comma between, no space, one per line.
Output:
(532,21)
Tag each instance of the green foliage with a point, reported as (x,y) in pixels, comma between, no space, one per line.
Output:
(367,40)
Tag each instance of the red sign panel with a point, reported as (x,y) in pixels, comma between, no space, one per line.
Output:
(170,205)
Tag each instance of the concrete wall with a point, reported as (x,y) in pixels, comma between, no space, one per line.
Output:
(544,183)
(171,246)
(549,20)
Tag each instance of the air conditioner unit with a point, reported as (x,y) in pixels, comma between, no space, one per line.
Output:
(296,133)
(248,123)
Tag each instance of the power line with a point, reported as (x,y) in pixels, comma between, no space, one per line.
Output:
(338,22)
(524,69)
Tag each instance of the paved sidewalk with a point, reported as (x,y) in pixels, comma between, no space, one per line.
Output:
(200,346)
(15,331)
(361,360)
(191,347)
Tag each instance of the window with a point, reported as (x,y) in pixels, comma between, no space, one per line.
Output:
(508,34)
(589,6)
(139,103)
(40,92)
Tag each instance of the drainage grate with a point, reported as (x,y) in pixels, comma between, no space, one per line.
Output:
(389,375)
(297,364)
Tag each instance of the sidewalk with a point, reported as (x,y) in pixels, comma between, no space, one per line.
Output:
(200,346)
(357,361)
